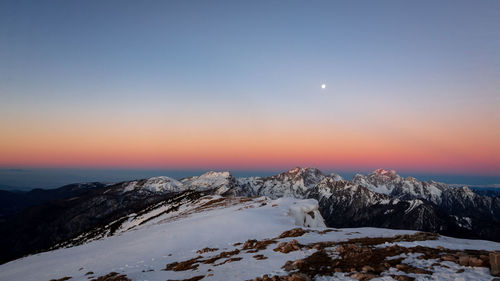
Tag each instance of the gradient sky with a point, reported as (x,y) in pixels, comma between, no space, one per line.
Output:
(236,85)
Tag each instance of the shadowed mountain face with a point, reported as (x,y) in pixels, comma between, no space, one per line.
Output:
(79,213)
(43,226)
(12,202)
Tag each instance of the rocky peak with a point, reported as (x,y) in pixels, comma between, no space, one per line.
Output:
(303,171)
(466,189)
(159,184)
(467,192)
(222,182)
(336,177)
(380,181)
(385,173)
(214,174)
(308,176)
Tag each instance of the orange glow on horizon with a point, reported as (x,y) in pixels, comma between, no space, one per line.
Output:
(399,139)
(221,147)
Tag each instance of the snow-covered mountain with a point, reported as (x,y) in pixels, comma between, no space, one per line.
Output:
(379,199)
(154,185)
(219,182)
(239,238)
(385,199)
(297,182)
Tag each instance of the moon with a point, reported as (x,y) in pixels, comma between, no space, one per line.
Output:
(323,86)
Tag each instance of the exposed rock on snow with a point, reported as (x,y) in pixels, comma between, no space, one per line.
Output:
(229,238)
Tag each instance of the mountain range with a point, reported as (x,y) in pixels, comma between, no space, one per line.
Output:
(71,215)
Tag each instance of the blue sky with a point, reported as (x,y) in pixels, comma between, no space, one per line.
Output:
(411,86)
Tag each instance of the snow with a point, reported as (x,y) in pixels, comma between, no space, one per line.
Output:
(156,185)
(464,222)
(448,270)
(129,187)
(296,182)
(379,188)
(336,177)
(306,213)
(176,236)
(452,243)
(148,246)
(161,184)
(413,205)
(210,180)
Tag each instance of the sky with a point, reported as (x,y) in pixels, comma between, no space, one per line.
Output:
(199,85)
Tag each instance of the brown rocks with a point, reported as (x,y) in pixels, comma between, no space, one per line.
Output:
(221,255)
(286,247)
(259,257)
(463,260)
(62,279)
(367,268)
(195,278)
(326,231)
(449,258)
(184,265)
(296,232)
(266,277)
(229,260)
(362,276)
(466,260)
(473,261)
(113,276)
(371,241)
(299,277)
(401,266)
(253,246)
(495,263)
(294,265)
(206,250)
(402,278)
(410,269)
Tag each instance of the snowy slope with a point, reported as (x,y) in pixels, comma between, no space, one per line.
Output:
(221,182)
(155,184)
(143,249)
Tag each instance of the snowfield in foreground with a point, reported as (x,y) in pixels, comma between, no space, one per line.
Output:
(220,238)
